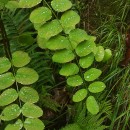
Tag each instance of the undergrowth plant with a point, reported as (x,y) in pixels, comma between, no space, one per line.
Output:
(72,47)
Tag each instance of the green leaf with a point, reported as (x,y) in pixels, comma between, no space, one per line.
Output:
(6,80)
(4,1)
(26,76)
(69,19)
(57,43)
(10,112)
(28,3)
(33,124)
(69,69)
(11,5)
(32,111)
(25,39)
(61,5)
(96,87)
(28,94)
(92,105)
(50,29)
(86,61)
(8,96)
(63,56)
(85,48)
(5,64)
(78,35)
(16,126)
(92,74)
(20,58)
(100,54)
(107,55)
(40,15)
(41,42)
(71,127)
(74,80)
(80,95)
(37,26)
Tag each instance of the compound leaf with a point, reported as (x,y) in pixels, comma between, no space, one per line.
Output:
(40,15)
(69,69)
(8,96)
(96,87)
(6,80)
(80,95)
(28,94)
(5,64)
(26,76)
(92,74)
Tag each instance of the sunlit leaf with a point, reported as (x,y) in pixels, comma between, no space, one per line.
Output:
(100,54)
(69,69)
(80,95)
(63,56)
(78,35)
(107,55)
(57,43)
(50,29)
(69,19)
(5,64)
(33,124)
(86,61)
(61,5)
(26,76)
(72,127)
(96,87)
(8,96)
(10,112)
(32,111)
(92,105)
(20,58)
(40,15)
(6,80)
(12,5)
(16,126)
(85,48)
(28,3)
(74,80)
(28,94)
(92,74)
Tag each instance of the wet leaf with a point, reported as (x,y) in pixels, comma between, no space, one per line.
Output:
(20,58)
(100,54)
(80,95)
(33,124)
(5,64)
(63,56)
(96,87)
(78,35)
(26,76)
(69,69)
(57,43)
(74,80)
(85,48)
(6,80)
(8,96)
(50,29)
(107,55)
(41,42)
(40,15)
(61,5)
(86,61)
(92,74)
(92,105)
(32,111)
(16,126)
(10,112)
(28,3)
(28,94)
(69,19)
